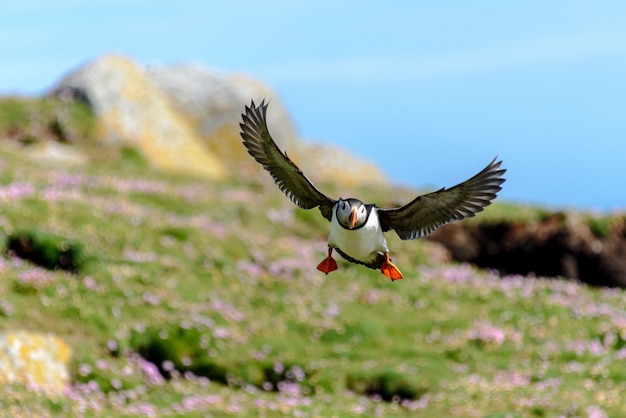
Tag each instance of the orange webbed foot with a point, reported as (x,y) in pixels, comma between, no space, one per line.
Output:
(390,270)
(328,264)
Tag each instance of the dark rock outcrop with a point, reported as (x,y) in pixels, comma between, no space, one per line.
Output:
(557,245)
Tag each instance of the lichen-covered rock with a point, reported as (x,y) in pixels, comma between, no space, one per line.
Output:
(214,101)
(187,117)
(131,109)
(339,166)
(36,360)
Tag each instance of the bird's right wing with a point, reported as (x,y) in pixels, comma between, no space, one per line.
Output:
(287,176)
(428,212)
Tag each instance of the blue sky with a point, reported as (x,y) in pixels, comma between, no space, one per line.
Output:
(429,91)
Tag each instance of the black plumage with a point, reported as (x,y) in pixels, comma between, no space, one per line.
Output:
(420,217)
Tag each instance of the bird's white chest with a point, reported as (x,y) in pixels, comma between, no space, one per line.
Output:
(363,243)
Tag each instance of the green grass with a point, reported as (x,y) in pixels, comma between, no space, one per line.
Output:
(32,120)
(220,279)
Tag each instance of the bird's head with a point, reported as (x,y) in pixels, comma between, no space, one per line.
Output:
(351,213)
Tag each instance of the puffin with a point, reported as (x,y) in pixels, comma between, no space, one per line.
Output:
(356,228)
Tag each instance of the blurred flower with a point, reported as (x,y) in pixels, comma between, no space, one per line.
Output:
(620,354)
(594,411)
(140,257)
(11,192)
(332,311)
(142,408)
(283,215)
(486,333)
(35,277)
(6,308)
(149,370)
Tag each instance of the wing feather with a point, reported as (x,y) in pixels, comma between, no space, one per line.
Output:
(426,213)
(287,176)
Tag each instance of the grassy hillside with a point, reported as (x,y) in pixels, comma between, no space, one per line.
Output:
(202,299)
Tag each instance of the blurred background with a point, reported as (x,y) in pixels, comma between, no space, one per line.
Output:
(428,91)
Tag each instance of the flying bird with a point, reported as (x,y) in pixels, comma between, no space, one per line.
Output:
(356,228)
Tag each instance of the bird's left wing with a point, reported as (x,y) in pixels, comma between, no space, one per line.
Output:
(428,212)
(287,176)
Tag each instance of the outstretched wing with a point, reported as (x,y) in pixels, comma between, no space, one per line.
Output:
(287,176)
(428,212)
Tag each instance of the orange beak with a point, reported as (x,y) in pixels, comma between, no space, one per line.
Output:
(352,218)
